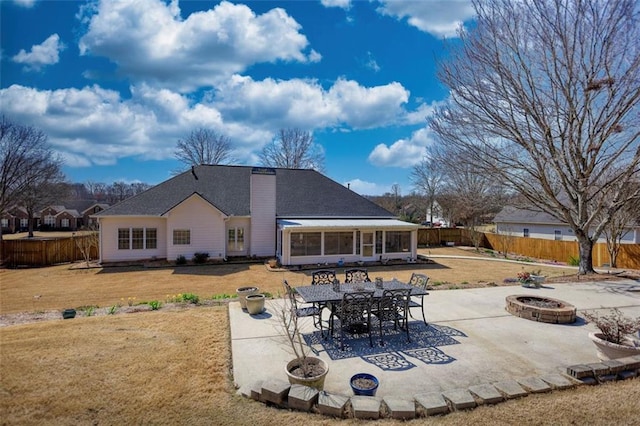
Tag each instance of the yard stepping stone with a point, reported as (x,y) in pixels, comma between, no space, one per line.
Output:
(630,362)
(400,408)
(433,403)
(256,391)
(557,381)
(534,384)
(599,369)
(331,404)
(511,389)
(579,371)
(365,407)
(460,399)
(275,391)
(302,397)
(614,365)
(486,394)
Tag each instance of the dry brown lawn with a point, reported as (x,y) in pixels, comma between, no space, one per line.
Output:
(173,366)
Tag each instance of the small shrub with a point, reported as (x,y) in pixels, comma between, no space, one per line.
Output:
(130,300)
(614,326)
(222,296)
(155,305)
(191,298)
(181,260)
(574,261)
(200,257)
(112,310)
(88,310)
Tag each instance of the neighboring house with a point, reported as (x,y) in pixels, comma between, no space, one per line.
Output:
(72,215)
(536,224)
(15,220)
(298,216)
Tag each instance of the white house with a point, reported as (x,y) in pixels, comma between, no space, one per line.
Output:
(298,216)
(536,224)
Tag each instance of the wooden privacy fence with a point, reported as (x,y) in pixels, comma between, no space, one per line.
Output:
(45,252)
(561,251)
(441,236)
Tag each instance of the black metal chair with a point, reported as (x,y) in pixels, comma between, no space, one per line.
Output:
(354,315)
(394,306)
(305,311)
(356,275)
(323,276)
(419,281)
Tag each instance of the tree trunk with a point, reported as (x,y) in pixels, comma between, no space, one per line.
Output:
(586,259)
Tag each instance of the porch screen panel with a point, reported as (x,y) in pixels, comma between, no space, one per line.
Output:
(338,243)
(398,241)
(306,243)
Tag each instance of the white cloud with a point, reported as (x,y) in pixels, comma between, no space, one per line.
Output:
(150,41)
(47,53)
(371,63)
(93,125)
(366,188)
(25,3)
(344,4)
(440,18)
(306,104)
(403,153)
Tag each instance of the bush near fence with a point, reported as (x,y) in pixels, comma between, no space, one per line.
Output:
(538,248)
(44,252)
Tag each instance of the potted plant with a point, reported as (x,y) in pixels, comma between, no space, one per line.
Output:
(530,279)
(364,384)
(243,292)
(302,369)
(255,303)
(615,339)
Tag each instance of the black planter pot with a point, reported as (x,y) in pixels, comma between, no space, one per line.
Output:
(357,390)
(69,313)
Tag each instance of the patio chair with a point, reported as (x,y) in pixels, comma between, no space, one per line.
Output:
(354,315)
(323,276)
(305,311)
(356,275)
(394,306)
(420,281)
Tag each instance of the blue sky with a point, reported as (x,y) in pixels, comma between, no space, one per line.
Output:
(115,84)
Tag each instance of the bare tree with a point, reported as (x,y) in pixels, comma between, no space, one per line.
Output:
(545,98)
(204,146)
(293,149)
(26,161)
(427,178)
(620,224)
(48,189)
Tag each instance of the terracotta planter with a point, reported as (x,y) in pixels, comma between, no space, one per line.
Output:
(255,303)
(608,350)
(243,292)
(316,382)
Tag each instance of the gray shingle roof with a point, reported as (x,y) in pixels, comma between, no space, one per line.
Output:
(511,214)
(299,193)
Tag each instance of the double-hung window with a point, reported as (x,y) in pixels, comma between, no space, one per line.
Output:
(181,237)
(123,239)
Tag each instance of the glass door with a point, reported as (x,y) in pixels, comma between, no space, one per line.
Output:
(368,246)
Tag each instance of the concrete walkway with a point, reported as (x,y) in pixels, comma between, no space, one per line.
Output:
(495,345)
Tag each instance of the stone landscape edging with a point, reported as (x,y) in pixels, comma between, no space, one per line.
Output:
(281,394)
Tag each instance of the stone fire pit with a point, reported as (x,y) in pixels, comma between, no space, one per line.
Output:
(541,309)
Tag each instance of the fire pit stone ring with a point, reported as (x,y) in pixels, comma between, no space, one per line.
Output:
(541,309)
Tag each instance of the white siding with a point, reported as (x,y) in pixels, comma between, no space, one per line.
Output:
(548,232)
(206,224)
(109,238)
(263,215)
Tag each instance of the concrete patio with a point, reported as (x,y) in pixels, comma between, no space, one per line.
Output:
(490,346)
